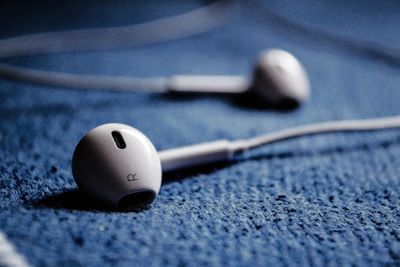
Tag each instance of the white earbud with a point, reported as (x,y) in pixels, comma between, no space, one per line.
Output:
(278,78)
(118,165)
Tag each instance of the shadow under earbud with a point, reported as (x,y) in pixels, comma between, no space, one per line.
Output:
(191,96)
(249,101)
(76,200)
(244,101)
(193,171)
(72,200)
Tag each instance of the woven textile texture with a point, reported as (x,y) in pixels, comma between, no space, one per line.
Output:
(327,200)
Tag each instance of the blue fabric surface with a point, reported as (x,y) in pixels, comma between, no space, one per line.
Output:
(330,200)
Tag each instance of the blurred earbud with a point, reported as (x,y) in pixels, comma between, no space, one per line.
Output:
(278,78)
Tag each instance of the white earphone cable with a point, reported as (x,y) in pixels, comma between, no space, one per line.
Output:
(225,150)
(176,83)
(317,128)
(9,256)
(194,22)
(83,81)
(370,49)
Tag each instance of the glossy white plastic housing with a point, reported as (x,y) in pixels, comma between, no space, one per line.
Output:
(195,155)
(125,177)
(280,77)
(117,164)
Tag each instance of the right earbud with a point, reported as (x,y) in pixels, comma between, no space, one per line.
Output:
(117,165)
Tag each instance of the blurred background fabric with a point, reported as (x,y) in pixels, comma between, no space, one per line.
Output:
(327,200)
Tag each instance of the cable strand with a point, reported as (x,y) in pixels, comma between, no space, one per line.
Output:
(191,23)
(313,129)
(83,81)
(194,22)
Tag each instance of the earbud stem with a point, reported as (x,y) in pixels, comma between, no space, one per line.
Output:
(195,155)
(207,84)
